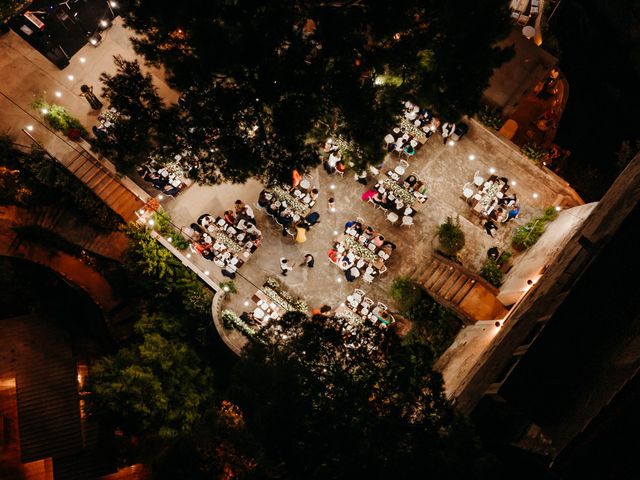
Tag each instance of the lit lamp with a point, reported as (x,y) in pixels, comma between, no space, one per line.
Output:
(529,32)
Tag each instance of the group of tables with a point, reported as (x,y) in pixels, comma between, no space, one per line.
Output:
(284,203)
(358,308)
(489,193)
(404,196)
(227,245)
(416,127)
(357,249)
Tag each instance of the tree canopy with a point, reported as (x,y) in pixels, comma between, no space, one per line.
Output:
(264,81)
(323,408)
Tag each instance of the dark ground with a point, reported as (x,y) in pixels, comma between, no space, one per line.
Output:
(599,45)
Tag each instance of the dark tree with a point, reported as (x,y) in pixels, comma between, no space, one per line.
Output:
(140,119)
(327,404)
(265,81)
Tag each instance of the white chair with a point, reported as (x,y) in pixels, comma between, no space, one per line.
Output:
(382,306)
(413,143)
(407,221)
(477,179)
(383,269)
(392,217)
(359,292)
(400,169)
(396,130)
(467,192)
(361,221)
(367,302)
(389,139)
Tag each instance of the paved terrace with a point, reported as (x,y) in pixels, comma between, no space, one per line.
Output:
(443,168)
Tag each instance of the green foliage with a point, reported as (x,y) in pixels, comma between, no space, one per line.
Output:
(433,325)
(491,272)
(231,320)
(58,118)
(156,386)
(52,184)
(323,410)
(491,117)
(405,293)
(451,237)
(528,234)
(140,116)
(164,225)
(535,153)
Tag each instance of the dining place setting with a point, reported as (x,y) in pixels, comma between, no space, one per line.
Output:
(359,309)
(416,127)
(361,251)
(484,196)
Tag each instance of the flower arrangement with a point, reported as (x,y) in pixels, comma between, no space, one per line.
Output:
(360,250)
(409,128)
(350,316)
(274,291)
(282,195)
(226,240)
(398,191)
(231,320)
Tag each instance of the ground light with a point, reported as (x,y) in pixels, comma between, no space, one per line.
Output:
(513,183)
(472,157)
(58,93)
(30,128)
(225,288)
(82,59)
(44,111)
(451,143)
(558,208)
(535,195)
(492,170)
(70,77)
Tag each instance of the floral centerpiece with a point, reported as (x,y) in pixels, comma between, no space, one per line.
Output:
(409,128)
(231,320)
(350,316)
(360,250)
(284,196)
(226,240)
(398,191)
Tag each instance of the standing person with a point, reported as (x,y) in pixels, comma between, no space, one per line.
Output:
(284,266)
(87,92)
(447,131)
(513,213)
(331,204)
(309,261)
(490,227)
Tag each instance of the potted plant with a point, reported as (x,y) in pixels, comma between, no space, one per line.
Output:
(451,237)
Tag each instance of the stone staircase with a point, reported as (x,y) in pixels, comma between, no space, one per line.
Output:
(105,184)
(469,296)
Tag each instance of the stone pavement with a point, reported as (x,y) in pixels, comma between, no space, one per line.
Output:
(443,168)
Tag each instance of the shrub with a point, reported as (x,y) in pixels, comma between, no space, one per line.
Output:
(228,287)
(58,118)
(528,234)
(451,237)
(231,320)
(491,117)
(535,153)
(166,228)
(491,272)
(405,293)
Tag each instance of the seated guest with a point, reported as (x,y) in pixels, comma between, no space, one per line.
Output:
(312,218)
(264,198)
(273,209)
(314,194)
(253,231)
(490,227)
(369,231)
(411,180)
(493,252)
(333,255)
(229,217)
(506,201)
(331,162)
(499,215)
(208,254)
(368,194)
(389,244)
(351,274)
(170,190)
(378,240)
(199,247)
(239,205)
(284,218)
(340,167)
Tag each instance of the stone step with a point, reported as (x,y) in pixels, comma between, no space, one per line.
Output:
(463,292)
(455,287)
(447,273)
(435,276)
(446,286)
